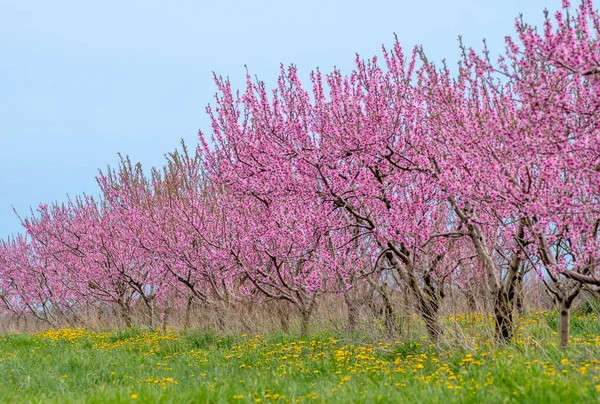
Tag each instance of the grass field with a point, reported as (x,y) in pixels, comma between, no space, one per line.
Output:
(75,365)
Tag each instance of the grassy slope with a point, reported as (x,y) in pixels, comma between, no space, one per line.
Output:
(145,366)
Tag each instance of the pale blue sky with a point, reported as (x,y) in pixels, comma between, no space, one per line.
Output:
(83,80)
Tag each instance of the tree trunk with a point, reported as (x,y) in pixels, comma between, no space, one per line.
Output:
(503,312)
(426,294)
(188,311)
(565,291)
(389,316)
(304,322)
(520,303)
(519,294)
(306,311)
(149,302)
(406,326)
(151,311)
(99,316)
(503,292)
(429,305)
(246,311)
(165,319)
(220,311)
(125,314)
(127,317)
(434,330)
(564,322)
(352,306)
(283,317)
(471,302)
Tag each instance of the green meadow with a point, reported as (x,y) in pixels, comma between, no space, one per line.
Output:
(196,366)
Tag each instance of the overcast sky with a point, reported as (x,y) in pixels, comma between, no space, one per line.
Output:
(81,81)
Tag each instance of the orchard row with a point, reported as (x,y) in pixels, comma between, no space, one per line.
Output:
(398,173)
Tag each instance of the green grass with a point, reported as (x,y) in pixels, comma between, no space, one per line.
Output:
(198,367)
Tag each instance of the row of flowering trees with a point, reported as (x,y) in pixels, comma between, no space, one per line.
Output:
(398,171)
